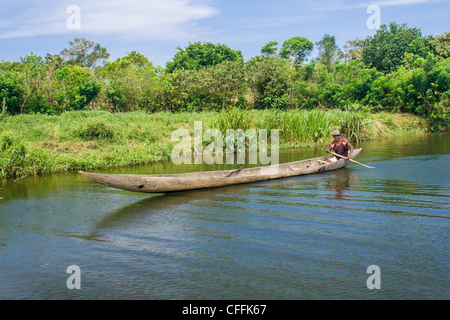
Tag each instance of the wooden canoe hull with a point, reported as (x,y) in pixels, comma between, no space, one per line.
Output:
(162,183)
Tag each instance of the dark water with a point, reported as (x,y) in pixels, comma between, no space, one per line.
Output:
(307,237)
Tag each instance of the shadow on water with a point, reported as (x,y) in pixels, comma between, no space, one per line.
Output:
(155,205)
(147,206)
(161,204)
(150,206)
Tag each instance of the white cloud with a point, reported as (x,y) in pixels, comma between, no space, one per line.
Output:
(396,3)
(334,5)
(131,18)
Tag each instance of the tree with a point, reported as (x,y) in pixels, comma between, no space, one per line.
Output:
(130,82)
(329,51)
(269,49)
(75,88)
(201,55)
(53,60)
(386,49)
(10,93)
(268,81)
(426,88)
(33,73)
(133,58)
(440,44)
(353,49)
(297,49)
(212,88)
(84,53)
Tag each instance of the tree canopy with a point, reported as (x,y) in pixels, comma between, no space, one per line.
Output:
(133,58)
(394,70)
(84,53)
(386,49)
(297,49)
(329,51)
(440,44)
(269,49)
(201,55)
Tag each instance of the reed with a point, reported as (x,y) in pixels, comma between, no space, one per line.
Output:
(233,118)
(300,125)
(357,126)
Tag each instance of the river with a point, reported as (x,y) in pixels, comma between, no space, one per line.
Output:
(306,237)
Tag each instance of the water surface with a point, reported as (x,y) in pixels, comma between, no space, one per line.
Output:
(306,237)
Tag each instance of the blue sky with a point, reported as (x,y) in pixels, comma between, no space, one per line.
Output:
(156,28)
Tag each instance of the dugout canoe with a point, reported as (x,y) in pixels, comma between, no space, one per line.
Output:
(162,183)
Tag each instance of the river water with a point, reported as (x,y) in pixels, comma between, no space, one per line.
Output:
(306,237)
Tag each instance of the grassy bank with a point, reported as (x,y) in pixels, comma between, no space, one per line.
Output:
(83,140)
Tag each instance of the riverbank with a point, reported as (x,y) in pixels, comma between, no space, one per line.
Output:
(85,140)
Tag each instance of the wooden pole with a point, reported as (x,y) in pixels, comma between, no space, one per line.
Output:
(352,160)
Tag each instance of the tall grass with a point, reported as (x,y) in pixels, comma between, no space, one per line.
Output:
(82,140)
(312,126)
(358,126)
(233,118)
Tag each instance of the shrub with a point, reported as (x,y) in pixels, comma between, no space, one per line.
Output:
(95,129)
(75,88)
(268,80)
(13,154)
(10,93)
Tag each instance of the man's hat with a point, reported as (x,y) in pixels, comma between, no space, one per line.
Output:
(336,133)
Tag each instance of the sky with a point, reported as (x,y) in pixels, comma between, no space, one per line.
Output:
(156,28)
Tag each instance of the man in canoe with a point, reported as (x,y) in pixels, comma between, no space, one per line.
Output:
(340,146)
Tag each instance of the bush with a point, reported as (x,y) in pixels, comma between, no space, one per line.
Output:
(94,129)
(10,93)
(75,88)
(268,80)
(13,154)
(425,89)
(212,88)
(332,96)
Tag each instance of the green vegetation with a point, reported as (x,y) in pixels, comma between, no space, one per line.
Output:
(296,49)
(329,51)
(386,49)
(127,108)
(84,53)
(82,140)
(395,70)
(199,55)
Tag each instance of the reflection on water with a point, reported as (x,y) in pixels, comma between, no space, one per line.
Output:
(341,183)
(306,237)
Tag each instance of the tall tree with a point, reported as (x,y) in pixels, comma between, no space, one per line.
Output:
(353,49)
(329,51)
(386,49)
(269,49)
(84,53)
(297,49)
(440,44)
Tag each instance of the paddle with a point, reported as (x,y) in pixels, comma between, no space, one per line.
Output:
(234,172)
(352,160)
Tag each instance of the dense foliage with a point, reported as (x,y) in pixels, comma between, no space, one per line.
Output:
(397,69)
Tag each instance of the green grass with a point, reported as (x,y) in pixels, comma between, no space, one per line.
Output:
(83,140)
